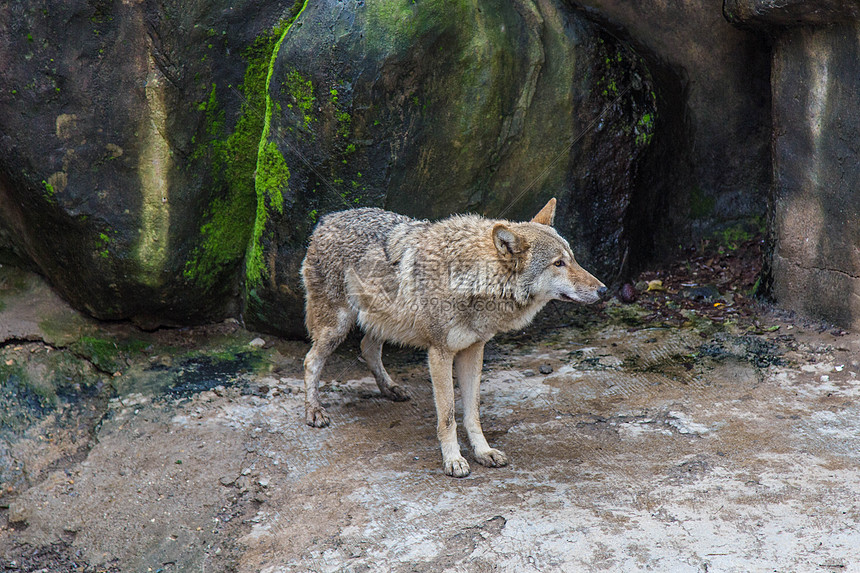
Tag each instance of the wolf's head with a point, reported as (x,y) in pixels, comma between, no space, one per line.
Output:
(543,260)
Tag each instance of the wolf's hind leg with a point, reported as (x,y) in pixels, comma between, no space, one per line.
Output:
(326,340)
(371,349)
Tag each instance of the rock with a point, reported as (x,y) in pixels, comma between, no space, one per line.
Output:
(627,293)
(535,101)
(708,293)
(528,373)
(545,369)
(18,513)
(257,343)
(126,155)
(789,12)
(709,164)
(243,483)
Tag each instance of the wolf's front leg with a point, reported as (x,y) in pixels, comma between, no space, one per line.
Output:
(441,363)
(469,363)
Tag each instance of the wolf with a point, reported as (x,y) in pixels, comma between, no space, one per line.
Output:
(447,287)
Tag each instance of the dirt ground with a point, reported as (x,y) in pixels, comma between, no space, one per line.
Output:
(691,430)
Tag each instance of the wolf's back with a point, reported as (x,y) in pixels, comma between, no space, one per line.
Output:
(359,226)
(347,235)
(341,240)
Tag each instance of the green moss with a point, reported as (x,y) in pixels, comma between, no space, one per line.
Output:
(272,171)
(394,25)
(616,77)
(344,124)
(224,237)
(23,399)
(644,129)
(214,113)
(734,236)
(230,218)
(301,93)
(273,176)
(731,238)
(100,352)
(627,315)
(701,205)
(107,355)
(104,242)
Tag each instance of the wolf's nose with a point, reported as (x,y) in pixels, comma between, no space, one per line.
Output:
(601,292)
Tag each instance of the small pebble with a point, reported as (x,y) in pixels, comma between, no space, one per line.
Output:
(257,343)
(545,369)
(627,293)
(528,373)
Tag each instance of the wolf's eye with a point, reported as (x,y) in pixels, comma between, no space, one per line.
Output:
(559,263)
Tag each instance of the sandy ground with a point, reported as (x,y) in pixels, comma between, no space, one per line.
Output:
(635,446)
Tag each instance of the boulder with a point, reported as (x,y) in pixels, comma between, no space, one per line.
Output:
(127,150)
(439,107)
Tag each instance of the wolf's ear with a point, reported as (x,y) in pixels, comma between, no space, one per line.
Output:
(546,216)
(507,242)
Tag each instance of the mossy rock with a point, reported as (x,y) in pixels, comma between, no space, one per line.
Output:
(440,107)
(128,147)
(192,195)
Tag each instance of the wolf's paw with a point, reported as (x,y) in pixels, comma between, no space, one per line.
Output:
(395,393)
(457,467)
(492,458)
(316,417)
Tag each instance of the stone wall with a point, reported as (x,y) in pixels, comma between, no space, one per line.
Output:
(814,263)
